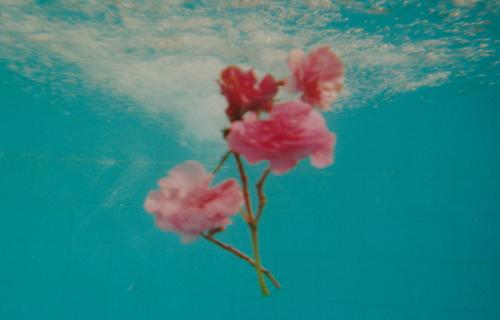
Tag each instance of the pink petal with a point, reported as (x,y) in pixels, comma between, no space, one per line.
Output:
(292,132)
(187,205)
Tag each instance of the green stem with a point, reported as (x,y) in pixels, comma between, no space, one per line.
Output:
(244,182)
(221,162)
(241,255)
(260,193)
(258,262)
(252,221)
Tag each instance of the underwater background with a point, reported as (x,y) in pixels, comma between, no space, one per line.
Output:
(100,98)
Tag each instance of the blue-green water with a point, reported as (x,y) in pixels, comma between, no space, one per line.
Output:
(405,224)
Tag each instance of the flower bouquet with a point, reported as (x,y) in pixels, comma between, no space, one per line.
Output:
(260,129)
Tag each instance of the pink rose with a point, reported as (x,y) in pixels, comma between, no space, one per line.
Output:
(243,94)
(187,205)
(318,76)
(292,131)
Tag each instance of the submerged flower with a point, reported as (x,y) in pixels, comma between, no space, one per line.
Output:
(318,76)
(292,132)
(187,205)
(243,94)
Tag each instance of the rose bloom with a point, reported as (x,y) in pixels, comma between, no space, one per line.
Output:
(292,131)
(243,94)
(318,76)
(187,205)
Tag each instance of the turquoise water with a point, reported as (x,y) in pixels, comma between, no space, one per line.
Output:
(405,224)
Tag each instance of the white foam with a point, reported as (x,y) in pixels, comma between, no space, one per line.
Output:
(166,56)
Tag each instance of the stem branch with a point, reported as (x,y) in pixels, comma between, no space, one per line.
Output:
(243,256)
(244,182)
(253,220)
(258,262)
(221,162)
(260,192)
